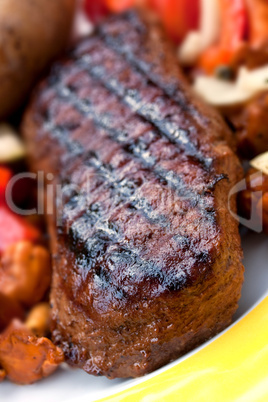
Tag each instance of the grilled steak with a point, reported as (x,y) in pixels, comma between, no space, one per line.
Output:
(147,257)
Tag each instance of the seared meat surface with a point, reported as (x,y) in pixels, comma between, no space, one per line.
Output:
(147,257)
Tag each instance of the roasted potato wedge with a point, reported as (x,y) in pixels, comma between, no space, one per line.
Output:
(25,273)
(32,34)
(9,309)
(26,358)
(2,375)
(38,320)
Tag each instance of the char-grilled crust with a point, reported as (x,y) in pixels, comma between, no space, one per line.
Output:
(147,261)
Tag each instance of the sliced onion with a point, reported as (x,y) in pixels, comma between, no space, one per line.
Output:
(11,147)
(82,26)
(198,41)
(218,92)
(261,163)
(253,80)
(189,50)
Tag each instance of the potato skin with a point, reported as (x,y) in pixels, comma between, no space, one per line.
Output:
(32,34)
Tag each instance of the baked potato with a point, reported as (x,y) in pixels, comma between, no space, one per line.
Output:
(32,34)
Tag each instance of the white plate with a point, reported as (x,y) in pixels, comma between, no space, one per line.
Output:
(74,385)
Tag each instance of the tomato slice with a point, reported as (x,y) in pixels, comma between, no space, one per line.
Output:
(95,9)
(13,228)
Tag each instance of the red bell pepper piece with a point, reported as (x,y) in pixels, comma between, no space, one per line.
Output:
(180,17)
(5,176)
(95,9)
(117,6)
(156,5)
(13,228)
(233,32)
(258,22)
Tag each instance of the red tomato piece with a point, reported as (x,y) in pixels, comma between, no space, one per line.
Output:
(13,228)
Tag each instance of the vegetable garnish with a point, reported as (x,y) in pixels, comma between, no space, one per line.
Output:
(178,16)
(258,22)
(11,146)
(219,92)
(261,163)
(234,27)
(5,176)
(95,10)
(26,358)
(196,42)
(118,6)
(14,228)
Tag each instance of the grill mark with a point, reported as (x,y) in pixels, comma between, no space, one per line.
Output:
(90,251)
(171,178)
(196,200)
(174,180)
(93,220)
(99,243)
(126,190)
(136,268)
(140,269)
(89,248)
(61,134)
(122,191)
(86,108)
(126,47)
(132,98)
(145,69)
(147,110)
